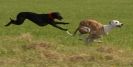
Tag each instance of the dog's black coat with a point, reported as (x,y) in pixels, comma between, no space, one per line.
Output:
(39,19)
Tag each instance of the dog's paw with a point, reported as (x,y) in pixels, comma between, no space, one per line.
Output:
(98,41)
(66,23)
(69,33)
(65,29)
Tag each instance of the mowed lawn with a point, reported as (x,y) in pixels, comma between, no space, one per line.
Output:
(29,45)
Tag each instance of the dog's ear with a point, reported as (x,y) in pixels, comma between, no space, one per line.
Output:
(56,12)
(11,19)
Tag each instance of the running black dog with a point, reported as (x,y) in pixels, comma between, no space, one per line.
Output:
(39,19)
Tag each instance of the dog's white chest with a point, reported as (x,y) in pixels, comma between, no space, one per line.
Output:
(107,28)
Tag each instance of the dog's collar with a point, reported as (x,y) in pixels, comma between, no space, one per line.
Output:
(50,16)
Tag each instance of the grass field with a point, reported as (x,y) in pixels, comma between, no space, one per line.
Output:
(31,46)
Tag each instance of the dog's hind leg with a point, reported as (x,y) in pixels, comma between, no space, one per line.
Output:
(76,31)
(19,20)
(11,21)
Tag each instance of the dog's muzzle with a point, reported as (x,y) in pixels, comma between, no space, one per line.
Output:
(60,18)
(120,25)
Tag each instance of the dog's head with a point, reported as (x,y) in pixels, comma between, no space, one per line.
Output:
(56,15)
(115,23)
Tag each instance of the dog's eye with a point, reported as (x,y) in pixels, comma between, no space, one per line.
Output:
(116,22)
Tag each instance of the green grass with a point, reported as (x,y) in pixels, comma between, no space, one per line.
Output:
(31,46)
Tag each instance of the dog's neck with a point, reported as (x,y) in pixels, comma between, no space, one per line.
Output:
(107,28)
(50,16)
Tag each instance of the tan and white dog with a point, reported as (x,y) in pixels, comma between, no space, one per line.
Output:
(95,29)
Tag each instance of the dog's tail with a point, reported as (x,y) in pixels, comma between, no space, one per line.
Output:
(11,20)
(75,31)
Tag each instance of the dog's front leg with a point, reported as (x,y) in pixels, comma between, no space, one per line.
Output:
(8,24)
(61,23)
(98,40)
(89,39)
(58,27)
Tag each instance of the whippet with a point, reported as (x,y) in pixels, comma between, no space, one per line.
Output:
(39,19)
(95,29)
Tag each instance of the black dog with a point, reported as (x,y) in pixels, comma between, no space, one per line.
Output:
(39,19)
